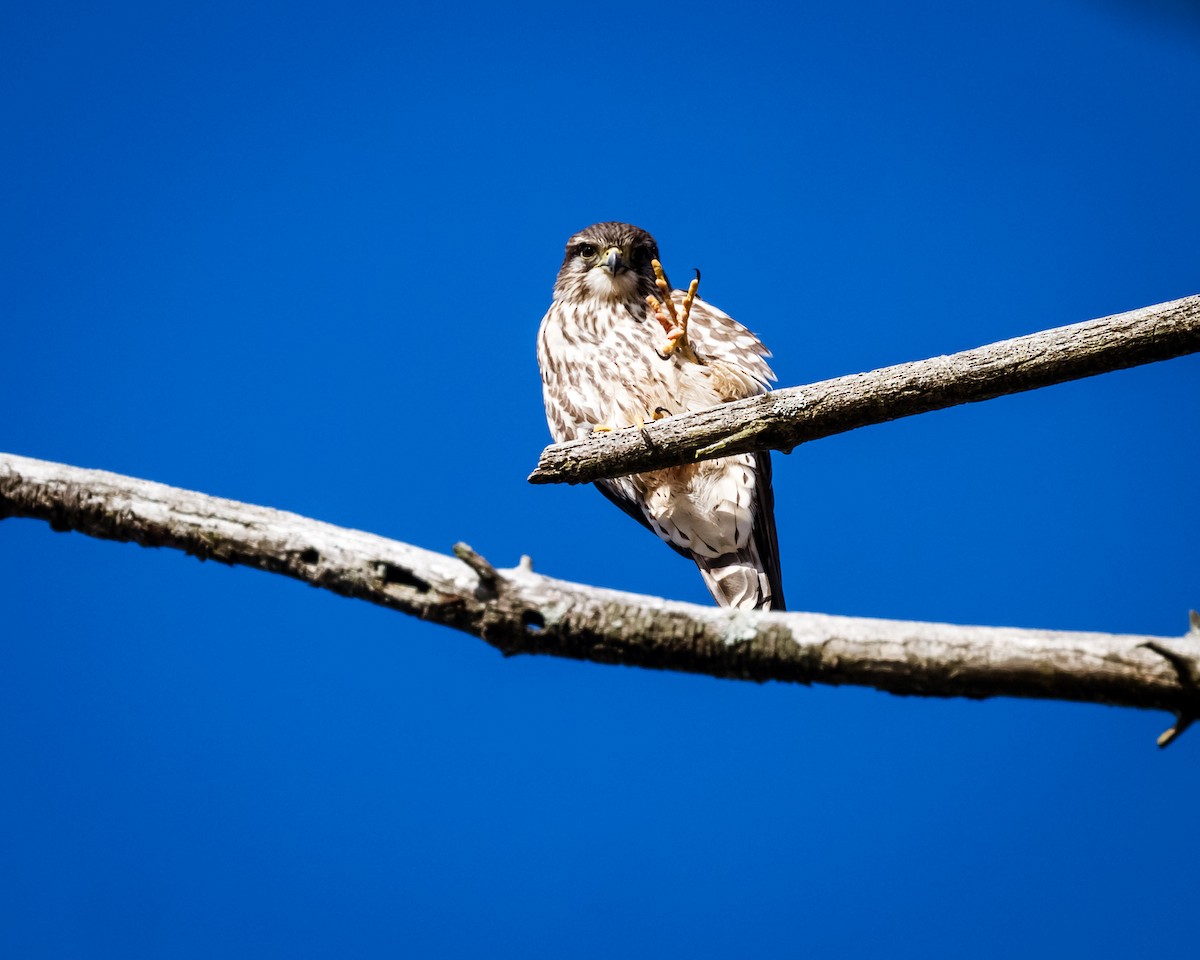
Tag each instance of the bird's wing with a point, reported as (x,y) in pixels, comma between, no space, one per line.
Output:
(765,538)
(717,336)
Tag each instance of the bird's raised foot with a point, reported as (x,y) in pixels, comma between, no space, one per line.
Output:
(674,322)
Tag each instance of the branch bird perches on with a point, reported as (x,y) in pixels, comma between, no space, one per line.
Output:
(785,418)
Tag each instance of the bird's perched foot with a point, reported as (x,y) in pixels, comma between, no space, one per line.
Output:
(639,422)
(674,322)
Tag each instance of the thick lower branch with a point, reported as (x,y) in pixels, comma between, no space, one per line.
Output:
(795,415)
(519,611)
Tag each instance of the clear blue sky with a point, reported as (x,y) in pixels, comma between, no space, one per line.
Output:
(296,255)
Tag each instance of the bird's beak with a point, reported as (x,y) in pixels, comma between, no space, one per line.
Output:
(613,261)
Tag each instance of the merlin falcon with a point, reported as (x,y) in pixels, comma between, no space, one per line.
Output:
(618,348)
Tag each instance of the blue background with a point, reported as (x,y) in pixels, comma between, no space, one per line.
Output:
(296,255)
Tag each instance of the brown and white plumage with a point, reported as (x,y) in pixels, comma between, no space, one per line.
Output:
(600,350)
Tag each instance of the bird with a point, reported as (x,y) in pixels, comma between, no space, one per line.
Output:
(619,347)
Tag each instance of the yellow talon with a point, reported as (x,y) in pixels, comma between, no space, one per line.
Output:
(688,299)
(674,323)
(660,281)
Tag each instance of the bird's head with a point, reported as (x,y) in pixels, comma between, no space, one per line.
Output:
(608,261)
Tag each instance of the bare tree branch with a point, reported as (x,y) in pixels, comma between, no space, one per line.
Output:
(519,611)
(795,415)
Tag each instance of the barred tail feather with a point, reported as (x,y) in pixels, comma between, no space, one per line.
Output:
(740,580)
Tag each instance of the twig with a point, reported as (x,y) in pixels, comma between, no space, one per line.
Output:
(489,579)
(1188,671)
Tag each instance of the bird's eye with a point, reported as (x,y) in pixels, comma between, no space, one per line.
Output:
(587,251)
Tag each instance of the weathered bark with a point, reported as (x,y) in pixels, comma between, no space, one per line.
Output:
(785,418)
(519,611)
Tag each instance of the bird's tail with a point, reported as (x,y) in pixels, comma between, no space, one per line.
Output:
(741,580)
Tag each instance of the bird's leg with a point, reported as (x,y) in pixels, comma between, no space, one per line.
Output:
(674,323)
